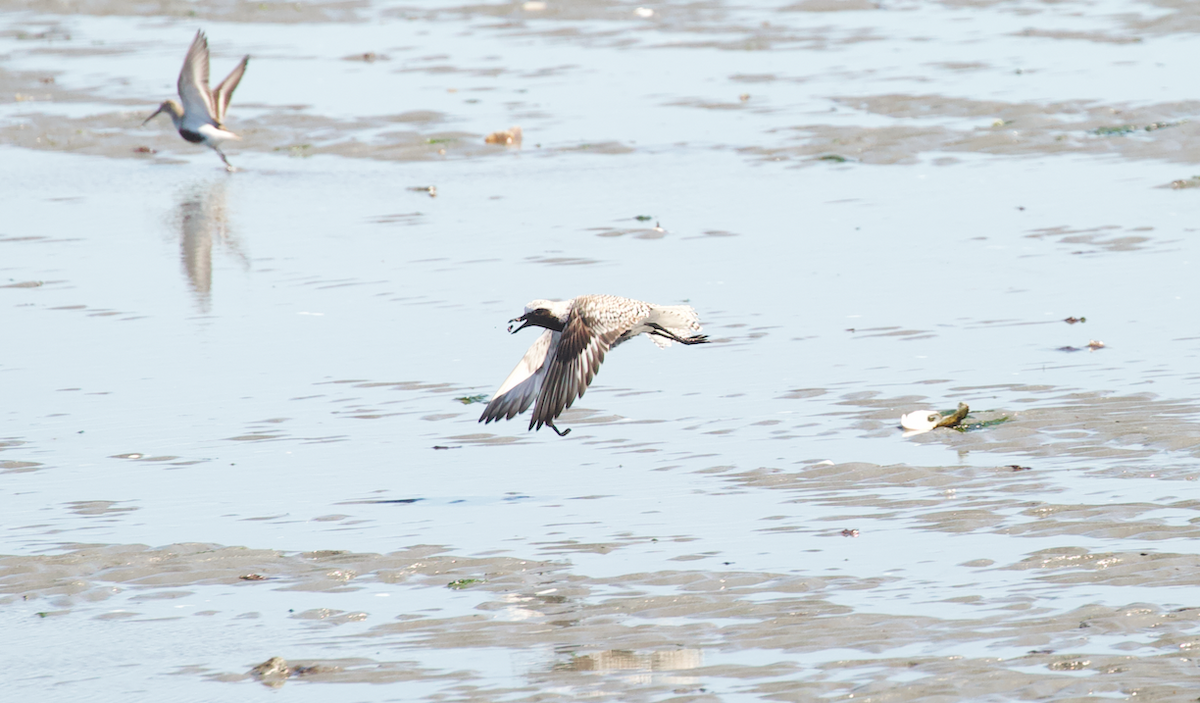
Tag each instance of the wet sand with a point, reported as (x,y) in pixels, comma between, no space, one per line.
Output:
(240,421)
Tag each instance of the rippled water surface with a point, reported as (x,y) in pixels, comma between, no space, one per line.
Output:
(237,417)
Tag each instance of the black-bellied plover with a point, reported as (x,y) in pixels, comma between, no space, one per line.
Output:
(200,119)
(579,332)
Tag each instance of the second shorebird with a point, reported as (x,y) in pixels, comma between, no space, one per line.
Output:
(579,332)
(200,119)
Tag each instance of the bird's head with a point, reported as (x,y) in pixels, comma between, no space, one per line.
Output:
(172,108)
(551,314)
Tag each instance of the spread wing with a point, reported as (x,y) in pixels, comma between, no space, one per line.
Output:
(223,93)
(517,392)
(193,82)
(575,363)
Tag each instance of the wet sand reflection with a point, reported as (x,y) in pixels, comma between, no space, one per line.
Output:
(624,660)
(639,668)
(202,217)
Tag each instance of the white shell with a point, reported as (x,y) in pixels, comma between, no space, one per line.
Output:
(919,421)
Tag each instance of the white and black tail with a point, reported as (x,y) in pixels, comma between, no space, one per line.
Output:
(678,323)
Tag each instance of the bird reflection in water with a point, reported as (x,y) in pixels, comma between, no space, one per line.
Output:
(203,218)
(642,667)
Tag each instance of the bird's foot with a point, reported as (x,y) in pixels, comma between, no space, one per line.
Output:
(228,166)
(664,332)
(560,433)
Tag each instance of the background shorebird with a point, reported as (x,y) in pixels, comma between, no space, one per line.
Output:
(563,361)
(200,118)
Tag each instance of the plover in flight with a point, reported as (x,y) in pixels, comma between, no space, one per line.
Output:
(579,332)
(200,119)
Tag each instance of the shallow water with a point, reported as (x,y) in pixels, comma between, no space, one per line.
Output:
(216,377)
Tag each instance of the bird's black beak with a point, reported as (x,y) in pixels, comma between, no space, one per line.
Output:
(523,319)
(156,113)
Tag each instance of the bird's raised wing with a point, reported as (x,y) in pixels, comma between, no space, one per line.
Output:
(580,352)
(193,82)
(518,391)
(223,93)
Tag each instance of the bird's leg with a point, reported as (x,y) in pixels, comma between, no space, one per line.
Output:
(560,433)
(664,332)
(228,166)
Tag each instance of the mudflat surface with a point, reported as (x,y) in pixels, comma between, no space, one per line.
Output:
(239,410)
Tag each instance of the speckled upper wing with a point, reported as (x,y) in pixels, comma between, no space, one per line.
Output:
(223,93)
(585,340)
(521,387)
(193,82)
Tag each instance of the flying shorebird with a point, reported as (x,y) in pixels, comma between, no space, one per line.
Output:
(200,119)
(579,332)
